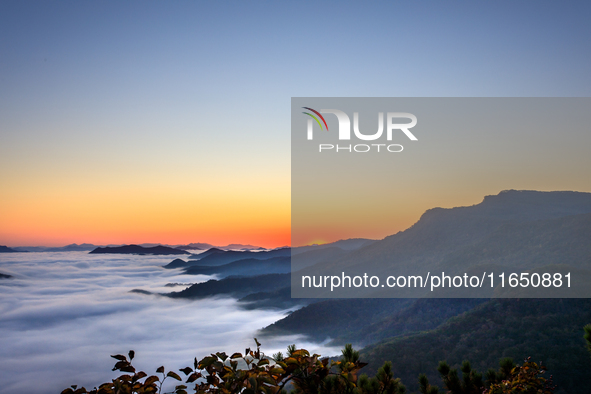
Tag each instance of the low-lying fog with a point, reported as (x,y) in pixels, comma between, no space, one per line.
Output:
(63,315)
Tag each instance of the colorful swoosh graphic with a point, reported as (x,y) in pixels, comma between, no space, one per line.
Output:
(317,113)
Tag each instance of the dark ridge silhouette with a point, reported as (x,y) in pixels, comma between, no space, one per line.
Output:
(73,248)
(140,291)
(136,249)
(242,247)
(277,299)
(234,286)
(6,249)
(191,247)
(246,267)
(5,276)
(221,257)
(196,246)
(176,263)
(204,254)
(178,284)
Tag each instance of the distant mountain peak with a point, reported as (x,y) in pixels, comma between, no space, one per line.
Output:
(6,249)
(136,249)
(526,204)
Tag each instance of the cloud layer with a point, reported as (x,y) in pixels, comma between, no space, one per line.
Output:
(64,314)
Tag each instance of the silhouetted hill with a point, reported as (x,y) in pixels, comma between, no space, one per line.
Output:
(548,330)
(188,247)
(73,248)
(277,299)
(234,286)
(136,249)
(176,263)
(5,276)
(221,257)
(241,247)
(195,246)
(6,249)
(204,254)
(246,267)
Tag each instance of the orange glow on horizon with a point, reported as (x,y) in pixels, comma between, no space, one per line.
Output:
(268,237)
(125,212)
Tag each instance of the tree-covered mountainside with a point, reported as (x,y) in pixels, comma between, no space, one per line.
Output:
(234,286)
(366,321)
(280,299)
(420,333)
(336,318)
(525,245)
(420,315)
(548,330)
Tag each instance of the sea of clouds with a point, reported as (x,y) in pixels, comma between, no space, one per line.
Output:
(64,313)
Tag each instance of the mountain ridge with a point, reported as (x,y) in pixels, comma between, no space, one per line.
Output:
(136,249)
(442,233)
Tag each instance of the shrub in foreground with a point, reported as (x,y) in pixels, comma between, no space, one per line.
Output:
(247,373)
(255,373)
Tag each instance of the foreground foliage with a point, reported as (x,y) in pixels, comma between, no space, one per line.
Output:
(509,379)
(525,379)
(250,373)
(254,373)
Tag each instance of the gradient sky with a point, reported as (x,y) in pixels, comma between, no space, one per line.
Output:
(170,121)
